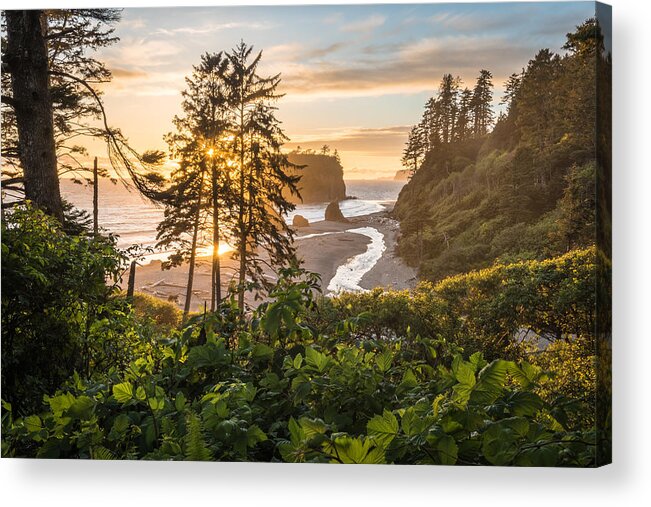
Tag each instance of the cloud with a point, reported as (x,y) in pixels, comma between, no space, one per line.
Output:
(364,25)
(141,52)
(412,68)
(135,23)
(136,82)
(381,141)
(213,28)
(469,22)
(321,52)
(122,73)
(296,53)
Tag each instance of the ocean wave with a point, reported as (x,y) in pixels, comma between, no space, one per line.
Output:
(350,274)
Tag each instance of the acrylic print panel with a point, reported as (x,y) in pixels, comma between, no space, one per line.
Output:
(371,234)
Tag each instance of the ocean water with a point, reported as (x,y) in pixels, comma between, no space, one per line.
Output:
(134,220)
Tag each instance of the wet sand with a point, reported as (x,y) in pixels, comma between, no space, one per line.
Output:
(322,246)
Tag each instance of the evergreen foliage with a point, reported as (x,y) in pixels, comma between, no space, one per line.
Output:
(526,189)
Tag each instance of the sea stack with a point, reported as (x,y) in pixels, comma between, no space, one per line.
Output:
(300,221)
(334,214)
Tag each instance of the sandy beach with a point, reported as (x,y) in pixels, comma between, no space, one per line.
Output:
(323,247)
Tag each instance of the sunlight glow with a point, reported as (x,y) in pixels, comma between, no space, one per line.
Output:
(207,250)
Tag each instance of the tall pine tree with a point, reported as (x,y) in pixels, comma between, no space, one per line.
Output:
(261,171)
(201,143)
(482,97)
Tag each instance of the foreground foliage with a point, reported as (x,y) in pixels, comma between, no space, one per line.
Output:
(368,378)
(366,403)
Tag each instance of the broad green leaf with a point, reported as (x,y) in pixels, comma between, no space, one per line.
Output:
(384,360)
(61,403)
(179,402)
(262,351)
(316,359)
(102,453)
(82,408)
(141,394)
(296,434)
(123,392)
(383,428)
(312,427)
(291,453)
(298,361)
(410,423)
(498,445)
(33,423)
(409,380)
(543,456)
(490,382)
(477,360)
(519,425)
(356,450)
(210,355)
(121,423)
(157,403)
(447,450)
(464,373)
(301,388)
(525,403)
(254,435)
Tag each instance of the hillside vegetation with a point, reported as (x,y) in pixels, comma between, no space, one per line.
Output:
(524,190)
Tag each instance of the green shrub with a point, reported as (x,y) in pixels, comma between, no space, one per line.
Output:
(54,285)
(480,311)
(163,314)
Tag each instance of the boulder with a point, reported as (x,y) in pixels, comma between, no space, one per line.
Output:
(300,221)
(334,214)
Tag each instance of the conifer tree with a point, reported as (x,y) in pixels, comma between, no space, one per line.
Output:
(52,50)
(447,107)
(185,216)
(201,143)
(261,171)
(482,96)
(511,88)
(415,149)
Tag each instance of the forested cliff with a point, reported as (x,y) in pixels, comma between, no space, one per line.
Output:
(322,176)
(524,189)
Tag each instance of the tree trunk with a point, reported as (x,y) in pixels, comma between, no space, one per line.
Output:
(95,199)
(193,253)
(131,286)
(27,59)
(216,264)
(243,233)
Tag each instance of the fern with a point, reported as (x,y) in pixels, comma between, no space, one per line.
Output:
(102,453)
(195,445)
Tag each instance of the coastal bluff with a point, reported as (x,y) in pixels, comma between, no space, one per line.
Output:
(322,177)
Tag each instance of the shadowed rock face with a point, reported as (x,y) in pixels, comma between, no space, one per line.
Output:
(300,221)
(334,214)
(322,178)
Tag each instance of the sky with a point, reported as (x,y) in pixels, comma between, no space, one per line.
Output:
(355,77)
